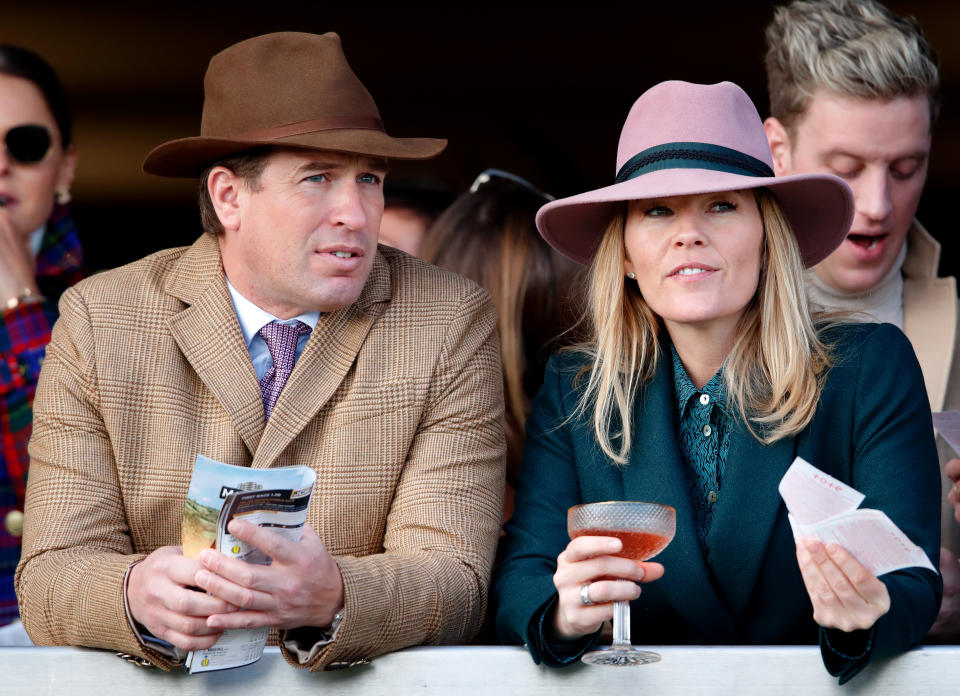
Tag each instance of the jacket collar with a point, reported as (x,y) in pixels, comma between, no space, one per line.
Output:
(208,334)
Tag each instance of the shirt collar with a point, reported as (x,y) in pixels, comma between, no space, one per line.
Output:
(252,318)
(685,390)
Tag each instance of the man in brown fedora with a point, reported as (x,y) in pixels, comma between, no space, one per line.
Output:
(282,336)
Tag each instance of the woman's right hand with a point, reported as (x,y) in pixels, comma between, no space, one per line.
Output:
(588,560)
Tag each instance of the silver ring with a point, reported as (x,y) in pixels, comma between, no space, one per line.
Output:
(585,595)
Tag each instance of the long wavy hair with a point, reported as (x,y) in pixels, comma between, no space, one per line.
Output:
(774,373)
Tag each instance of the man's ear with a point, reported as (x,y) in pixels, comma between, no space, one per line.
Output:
(223,187)
(780,146)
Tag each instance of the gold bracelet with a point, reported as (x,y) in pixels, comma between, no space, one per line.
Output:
(28,296)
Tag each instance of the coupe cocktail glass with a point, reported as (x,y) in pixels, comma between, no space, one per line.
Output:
(645,530)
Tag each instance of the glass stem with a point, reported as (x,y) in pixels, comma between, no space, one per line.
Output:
(621,622)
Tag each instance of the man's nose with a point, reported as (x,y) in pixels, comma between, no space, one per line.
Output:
(873,194)
(348,208)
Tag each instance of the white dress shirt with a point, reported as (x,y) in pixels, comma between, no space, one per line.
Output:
(252,319)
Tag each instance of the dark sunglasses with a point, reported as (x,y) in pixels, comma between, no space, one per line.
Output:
(28,144)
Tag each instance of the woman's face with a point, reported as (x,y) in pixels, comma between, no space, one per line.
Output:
(696,258)
(27,190)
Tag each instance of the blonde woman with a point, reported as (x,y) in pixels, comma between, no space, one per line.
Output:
(705,376)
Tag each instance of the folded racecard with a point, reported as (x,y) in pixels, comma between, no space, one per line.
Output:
(822,508)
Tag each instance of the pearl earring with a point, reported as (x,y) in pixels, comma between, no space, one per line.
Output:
(63,196)
(631,275)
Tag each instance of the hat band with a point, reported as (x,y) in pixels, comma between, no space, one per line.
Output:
(692,156)
(312,126)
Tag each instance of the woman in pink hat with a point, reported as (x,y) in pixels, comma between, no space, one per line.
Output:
(704,378)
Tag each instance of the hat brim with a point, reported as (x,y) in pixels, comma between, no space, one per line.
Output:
(188,157)
(819,207)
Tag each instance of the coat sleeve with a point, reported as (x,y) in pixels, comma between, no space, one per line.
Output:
(895,466)
(523,590)
(76,540)
(429,586)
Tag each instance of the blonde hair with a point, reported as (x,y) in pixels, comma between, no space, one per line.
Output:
(774,373)
(855,48)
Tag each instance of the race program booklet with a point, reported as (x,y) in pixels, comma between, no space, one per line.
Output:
(274,498)
(824,508)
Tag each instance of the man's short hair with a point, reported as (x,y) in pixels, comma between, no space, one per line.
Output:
(247,165)
(853,48)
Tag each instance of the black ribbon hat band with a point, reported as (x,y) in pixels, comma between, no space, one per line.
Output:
(692,156)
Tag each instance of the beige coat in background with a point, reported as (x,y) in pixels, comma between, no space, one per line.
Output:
(396,402)
(930,321)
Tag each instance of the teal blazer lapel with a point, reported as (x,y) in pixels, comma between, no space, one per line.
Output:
(656,473)
(746,513)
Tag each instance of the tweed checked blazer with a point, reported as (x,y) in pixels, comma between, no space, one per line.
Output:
(396,402)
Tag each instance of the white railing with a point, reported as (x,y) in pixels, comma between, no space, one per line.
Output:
(497,671)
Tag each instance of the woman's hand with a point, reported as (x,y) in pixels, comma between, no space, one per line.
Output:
(587,560)
(844,594)
(16,262)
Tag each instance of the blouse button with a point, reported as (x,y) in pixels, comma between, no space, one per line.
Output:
(712,497)
(707,430)
(704,399)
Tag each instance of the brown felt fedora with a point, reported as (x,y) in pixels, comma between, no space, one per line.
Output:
(286,89)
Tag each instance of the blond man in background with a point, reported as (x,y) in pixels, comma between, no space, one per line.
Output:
(854,92)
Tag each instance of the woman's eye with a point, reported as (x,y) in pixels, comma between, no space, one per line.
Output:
(723,205)
(317,178)
(657,211)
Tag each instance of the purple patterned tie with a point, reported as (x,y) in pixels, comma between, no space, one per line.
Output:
(281,341)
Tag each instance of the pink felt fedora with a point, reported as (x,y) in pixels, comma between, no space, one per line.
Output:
(682,138)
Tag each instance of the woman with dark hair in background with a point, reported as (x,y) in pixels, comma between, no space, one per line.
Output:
(40,256)
(489,235)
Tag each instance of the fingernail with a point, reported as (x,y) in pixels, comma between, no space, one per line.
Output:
(833,549)
(213,622)
(613,544)
(205,556)
(202,578)
(641,573)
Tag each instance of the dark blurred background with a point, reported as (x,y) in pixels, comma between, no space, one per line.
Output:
(540,90)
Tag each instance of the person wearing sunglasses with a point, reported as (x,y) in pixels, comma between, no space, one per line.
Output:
(40,256)
(705,375)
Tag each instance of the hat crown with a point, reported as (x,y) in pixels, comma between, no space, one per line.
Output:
(676,111)
(279,79)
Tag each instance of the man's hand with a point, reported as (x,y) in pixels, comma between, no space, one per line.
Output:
(952,470)
(301,587)
(844,594)
(158,597)
(17,267)
(946,629)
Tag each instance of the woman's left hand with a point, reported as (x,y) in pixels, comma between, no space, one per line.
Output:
(844,594)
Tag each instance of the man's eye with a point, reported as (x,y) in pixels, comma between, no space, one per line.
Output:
(904,172)
(318,178)
(368,179)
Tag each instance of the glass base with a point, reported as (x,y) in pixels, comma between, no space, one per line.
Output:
(620,657)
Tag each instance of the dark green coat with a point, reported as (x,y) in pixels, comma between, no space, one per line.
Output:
(872,429)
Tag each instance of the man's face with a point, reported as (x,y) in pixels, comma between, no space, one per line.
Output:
(881,149)
(305,240)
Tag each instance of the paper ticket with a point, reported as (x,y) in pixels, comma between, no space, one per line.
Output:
(823,508)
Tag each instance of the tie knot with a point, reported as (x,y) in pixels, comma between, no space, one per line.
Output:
(281,340)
